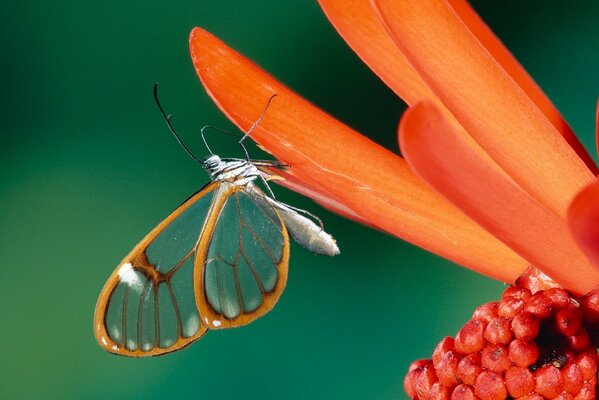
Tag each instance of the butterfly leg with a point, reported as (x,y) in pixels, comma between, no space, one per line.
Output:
(267,186)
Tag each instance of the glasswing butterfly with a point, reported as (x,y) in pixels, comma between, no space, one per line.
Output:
(220,260)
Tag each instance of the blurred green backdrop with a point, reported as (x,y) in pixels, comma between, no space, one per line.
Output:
(88,168)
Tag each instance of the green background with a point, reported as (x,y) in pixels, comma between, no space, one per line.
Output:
(87,168)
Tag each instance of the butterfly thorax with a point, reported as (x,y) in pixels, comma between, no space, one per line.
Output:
(232,170)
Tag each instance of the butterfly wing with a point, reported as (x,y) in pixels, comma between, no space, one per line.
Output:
(147,306)
(242,264)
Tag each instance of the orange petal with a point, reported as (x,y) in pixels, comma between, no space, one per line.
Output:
(358,25)
(330,159)
(485,100)
(509,63)
(584,220)
(597,127)
(357,22)
(435,150)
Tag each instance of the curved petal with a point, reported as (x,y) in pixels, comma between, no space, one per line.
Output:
(330,159)
(485,100)
(358,25)
(597,127)
(584,220)
(435,150)
(509,63)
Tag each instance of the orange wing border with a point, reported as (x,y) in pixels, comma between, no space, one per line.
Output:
(207,314)
(139,261)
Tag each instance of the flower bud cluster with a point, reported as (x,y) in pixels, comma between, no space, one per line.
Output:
(526,346)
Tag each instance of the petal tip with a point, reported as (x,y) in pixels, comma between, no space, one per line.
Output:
(417,115)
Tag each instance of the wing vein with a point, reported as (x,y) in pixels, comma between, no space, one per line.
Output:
(140,311)
(254,273)
(124,319)
(156,317)
(177,312)
(219,289)
(236,261)
(181,263)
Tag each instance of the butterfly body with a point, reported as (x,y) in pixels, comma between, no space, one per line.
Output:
(220,260)
(235,171)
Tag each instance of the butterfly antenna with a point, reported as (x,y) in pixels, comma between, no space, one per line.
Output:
(204,138)
(255,124)
(168,118)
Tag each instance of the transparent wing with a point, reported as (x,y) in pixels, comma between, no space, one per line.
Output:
(147,307)
(242,264)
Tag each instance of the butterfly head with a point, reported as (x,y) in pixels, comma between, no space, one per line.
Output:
(212,162)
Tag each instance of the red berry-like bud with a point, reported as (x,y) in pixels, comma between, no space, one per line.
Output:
(409,382)
(418,364)
(519,381)
(580,340)
(587,361)
(573,379)
(517,293)
(486,312)
(590,307)
(495,358)
(463,392)
(439,392)
(498,331)
(489,386)
(469,368)
(590,352)
(568,321)
(510,306)
(525,326)
(558,298)
(523,353)
(587,392)
(470,338)
(447,369)
(527,346)
(539,305)
(414,371)
(548,381)
(535,280)
(443,347)
(426,379)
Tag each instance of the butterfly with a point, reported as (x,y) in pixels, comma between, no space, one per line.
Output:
(220,260)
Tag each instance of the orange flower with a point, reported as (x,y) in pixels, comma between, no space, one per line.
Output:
(490,166)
